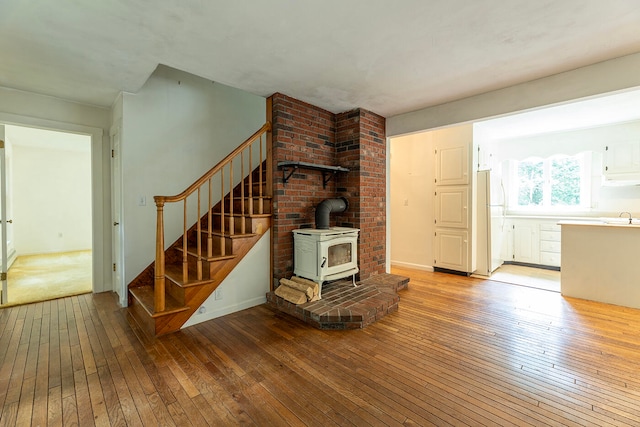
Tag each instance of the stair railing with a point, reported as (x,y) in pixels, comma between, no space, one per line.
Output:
(262,138)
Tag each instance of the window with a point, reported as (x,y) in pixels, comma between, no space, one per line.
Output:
(554,184)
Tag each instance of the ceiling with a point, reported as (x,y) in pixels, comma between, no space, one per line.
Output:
(385,56)
(585,113)
(48,139)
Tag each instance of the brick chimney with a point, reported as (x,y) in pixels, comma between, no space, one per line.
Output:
(353,139)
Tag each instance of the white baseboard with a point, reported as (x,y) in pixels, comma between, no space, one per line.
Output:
(411,265)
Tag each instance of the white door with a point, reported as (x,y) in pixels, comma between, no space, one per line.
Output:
(453,154)
(526,243)
(116,216)
(452,206)
(452,250)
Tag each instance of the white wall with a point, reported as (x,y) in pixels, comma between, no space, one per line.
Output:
(30,109)
(411,199)
(608,76)
(245,287)
(51,199)
(173,131)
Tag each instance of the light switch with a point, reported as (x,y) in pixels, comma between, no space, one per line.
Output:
(142,200)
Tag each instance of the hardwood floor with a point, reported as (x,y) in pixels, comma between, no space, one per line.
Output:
(460,351)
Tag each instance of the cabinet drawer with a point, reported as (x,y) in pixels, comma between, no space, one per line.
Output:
(552,236)
(549,227)
(547,246)
(548,258)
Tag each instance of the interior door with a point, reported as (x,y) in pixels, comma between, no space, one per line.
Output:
(116,207)
(4,298)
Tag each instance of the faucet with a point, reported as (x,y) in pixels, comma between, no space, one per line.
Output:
(628,213)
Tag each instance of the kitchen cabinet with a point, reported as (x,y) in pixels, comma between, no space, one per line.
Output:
(535,241)
(453,214)
(526,245)
(598,262)
(550,244)
(622,161)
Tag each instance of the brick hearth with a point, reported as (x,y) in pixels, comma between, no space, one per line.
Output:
(346,307)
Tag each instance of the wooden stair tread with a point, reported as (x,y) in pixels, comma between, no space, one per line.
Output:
(173,272)
(145,296)
(245,215)
(234,236)
(213,258)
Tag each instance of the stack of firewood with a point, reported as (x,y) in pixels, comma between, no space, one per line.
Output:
(298,290)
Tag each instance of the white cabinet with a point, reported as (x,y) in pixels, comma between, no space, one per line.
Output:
(452,249)
(525,242)
(622,161)
(452,206)
(599,263)
(452,162)
(452,199)
(535,241)
(550,244)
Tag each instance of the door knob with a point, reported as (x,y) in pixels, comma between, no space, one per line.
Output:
(116,223)
(10,221)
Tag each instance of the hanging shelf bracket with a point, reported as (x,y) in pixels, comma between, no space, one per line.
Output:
(328,172)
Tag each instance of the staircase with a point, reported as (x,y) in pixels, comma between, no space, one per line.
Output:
(230,216)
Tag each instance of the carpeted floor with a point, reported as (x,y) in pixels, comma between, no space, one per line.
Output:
(34,278)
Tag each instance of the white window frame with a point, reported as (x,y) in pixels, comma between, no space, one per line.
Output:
(586,164)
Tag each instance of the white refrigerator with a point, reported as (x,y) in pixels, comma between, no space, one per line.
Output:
(490,222)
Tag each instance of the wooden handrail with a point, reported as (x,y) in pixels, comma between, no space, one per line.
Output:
(159,277)
(170,199)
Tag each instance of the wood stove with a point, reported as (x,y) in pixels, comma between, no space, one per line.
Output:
(325,254)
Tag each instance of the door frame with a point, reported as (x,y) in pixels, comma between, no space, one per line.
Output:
(117,223)
(101,239)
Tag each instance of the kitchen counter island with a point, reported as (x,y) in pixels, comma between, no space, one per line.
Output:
(601,261)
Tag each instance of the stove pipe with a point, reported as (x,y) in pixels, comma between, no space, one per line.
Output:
(326,207)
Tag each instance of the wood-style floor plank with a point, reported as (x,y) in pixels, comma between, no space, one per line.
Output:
(460,351)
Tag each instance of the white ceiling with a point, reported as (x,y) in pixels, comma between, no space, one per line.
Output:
(386,56)
(586,113)
(49,139)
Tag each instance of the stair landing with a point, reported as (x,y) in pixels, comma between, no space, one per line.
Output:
(344,306)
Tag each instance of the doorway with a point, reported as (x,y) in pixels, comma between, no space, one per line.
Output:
(49,201)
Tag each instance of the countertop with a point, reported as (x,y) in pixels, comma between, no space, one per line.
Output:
(604,222)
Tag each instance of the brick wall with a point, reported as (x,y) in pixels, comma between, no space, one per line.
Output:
(361,147)
(355,140)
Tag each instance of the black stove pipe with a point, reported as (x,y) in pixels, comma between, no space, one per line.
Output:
(326,207)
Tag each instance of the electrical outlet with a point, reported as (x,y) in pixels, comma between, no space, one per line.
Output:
(218,294)
(142,200)
(202,310)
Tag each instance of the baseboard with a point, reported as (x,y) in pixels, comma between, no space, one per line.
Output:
(448,271)
(11,258)
(411,265)
(526,264)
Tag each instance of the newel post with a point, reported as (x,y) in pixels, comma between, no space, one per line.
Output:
(158,287)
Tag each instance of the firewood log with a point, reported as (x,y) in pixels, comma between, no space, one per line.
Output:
(308,290)
(316,286)
(292,295)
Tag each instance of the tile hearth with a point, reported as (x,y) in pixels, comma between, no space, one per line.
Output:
(346,307)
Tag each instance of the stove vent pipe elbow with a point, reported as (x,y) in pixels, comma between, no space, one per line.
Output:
(326,207)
